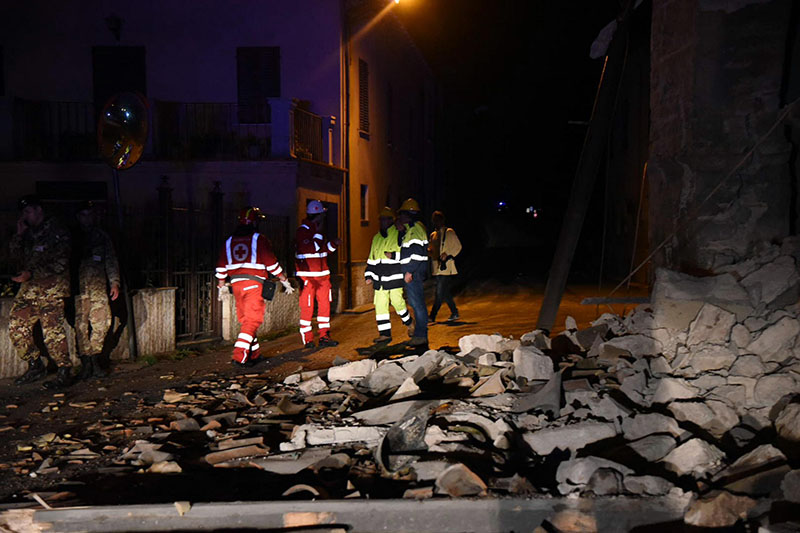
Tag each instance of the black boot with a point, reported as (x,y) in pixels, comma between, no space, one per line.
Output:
(63,378)
(97,367)
(87,369)
(36,370)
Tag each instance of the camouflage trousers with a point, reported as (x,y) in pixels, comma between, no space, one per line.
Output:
(25,313)
(92,321)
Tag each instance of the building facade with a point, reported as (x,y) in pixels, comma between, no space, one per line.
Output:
(268,103)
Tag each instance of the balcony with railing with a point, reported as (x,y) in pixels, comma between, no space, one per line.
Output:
(66,131)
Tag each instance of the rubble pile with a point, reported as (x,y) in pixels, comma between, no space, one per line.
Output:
(695,395)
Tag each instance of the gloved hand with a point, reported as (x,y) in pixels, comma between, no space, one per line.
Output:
(287,286)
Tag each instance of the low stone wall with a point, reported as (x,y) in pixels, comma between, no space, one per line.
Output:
(154,311)
(362,293)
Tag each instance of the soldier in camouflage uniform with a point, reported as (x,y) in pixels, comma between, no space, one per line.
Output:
(98,278)
(42,247)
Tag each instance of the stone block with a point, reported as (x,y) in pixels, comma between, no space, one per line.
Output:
(694,457)
(712,325)
(653,447)
(353,371)
(490,343)
(572,437)
(531,364)
(776,341)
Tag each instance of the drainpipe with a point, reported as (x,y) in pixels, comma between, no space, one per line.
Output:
(346,129)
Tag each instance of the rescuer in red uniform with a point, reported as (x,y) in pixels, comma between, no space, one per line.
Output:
(247,260)
(311,263)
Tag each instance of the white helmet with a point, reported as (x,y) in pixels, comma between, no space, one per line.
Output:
(315,207)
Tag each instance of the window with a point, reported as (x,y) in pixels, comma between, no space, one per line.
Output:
(364,203)
(117,69)
(258,77)
(363,96)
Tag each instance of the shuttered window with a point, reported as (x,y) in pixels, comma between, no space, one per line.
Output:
(363,96)
(258,77)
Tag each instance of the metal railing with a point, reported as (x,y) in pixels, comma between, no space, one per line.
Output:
(67,131)
(54,131)
(211,131)
(307,140)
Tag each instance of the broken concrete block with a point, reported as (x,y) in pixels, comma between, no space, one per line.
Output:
(490,343)
(572,437)
(531,364)
(776,341)
(487,359)
(694,457)
(707,382)
(573,474)
(587,337)
(321,436)
(738,392)
(790,486)
(614,323)
(770,389)
(653,447)
(408,389)
(630,345)
(787,424)
(493,385)
(384,378)
(722,290)
(707,357)
(670,389)
(425,365)
(740,336)
(748,366)
(718,509)
(386,415)
(546,399)
(712,325)
(644,424)
(352,371)
(312,386)
(292,379)
(713,416)
(458,480)
(758,472)
(605,482)
(536,338)
(647,485)
(429,470)
(775,283)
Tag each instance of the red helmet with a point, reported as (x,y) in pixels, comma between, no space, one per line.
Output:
(249,215)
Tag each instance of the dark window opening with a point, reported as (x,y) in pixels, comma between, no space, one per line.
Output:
(117,69)
(363,96)
(258,77)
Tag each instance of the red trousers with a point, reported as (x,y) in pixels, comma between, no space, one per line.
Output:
(318,289)
(250,308)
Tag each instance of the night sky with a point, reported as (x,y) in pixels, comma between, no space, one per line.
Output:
(514,73)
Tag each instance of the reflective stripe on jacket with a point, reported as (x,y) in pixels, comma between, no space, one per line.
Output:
(311,251)
(384,271)
(246,256)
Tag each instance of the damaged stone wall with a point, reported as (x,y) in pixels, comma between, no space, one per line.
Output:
(716,79)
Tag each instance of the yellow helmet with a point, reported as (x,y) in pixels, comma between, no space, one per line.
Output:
(387,212)
(410,205)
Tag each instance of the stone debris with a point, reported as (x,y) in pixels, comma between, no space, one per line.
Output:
(697,393)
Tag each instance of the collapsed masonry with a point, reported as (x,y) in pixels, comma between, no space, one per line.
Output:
(695,396)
